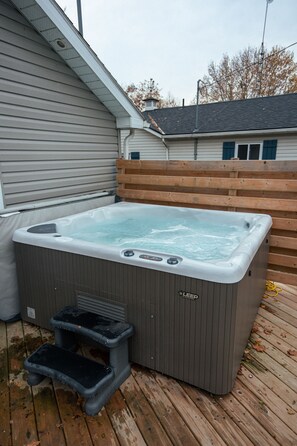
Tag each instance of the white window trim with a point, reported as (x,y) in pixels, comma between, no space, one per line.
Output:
(249,143)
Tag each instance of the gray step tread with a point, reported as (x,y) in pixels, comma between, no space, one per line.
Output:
(85,376)
(106,331)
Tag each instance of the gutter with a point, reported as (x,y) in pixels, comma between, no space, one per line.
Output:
(227,134)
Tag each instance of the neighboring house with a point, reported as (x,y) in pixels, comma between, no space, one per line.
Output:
(60,116)
(260,128)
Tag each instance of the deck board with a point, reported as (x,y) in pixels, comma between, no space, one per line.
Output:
(153,409)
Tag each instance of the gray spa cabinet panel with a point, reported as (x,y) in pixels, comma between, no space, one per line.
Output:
(190,329)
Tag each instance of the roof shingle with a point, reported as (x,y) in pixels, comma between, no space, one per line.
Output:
(272,112)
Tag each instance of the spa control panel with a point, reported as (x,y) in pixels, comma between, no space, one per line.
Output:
(151,257)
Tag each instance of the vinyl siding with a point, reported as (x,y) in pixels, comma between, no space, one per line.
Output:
(56,138)
(286,148)
(149,146)
(209,150)
(181,149)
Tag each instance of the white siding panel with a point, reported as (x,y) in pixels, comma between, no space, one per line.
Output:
(181,150)
(287,148)
(209,150)
(56,138)
(149,146)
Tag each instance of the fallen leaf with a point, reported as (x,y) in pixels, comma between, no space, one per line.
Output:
(15,364)
(283,335)
(240,370)
(33,443)
(255,328)
(268,330)
(290,411)
(259,348)
(292,352)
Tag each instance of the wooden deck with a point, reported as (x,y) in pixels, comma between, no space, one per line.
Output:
(152,409)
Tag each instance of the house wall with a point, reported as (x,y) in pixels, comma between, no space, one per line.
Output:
(56,138)
(287,148)
(208,149)
(211,149)
(181,149)
(149,146)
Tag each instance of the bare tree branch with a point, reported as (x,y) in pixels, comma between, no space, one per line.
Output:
(243,77)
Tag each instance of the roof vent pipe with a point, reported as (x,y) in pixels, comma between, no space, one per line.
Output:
(79,17)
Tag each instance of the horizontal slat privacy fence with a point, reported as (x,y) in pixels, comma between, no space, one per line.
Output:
(247,186)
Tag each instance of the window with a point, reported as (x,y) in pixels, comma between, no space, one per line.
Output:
(265,150)
(135,155)
(249,151)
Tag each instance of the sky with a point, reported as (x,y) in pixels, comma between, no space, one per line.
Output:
(173,41)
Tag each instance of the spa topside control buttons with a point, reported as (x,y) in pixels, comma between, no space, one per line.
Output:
(150,257)
(129,253)
(172,261)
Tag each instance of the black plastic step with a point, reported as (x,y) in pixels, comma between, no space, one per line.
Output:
(105,331)
(85,376)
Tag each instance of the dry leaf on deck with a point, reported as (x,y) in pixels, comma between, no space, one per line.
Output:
(255,328)
(292,352)
(259,347)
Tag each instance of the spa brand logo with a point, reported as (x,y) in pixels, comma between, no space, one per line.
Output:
(188,295)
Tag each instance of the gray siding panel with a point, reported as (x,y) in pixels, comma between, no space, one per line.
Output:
(56,138)
(26,96)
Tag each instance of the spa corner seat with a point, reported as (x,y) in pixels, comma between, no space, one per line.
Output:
(93,381)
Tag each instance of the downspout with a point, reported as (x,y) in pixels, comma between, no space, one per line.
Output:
(195,149)
(1,197)
(166,148)
(126,143)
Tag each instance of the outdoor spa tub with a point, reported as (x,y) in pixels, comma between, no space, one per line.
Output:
(189,280)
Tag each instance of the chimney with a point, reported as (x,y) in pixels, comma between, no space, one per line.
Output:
(150,103)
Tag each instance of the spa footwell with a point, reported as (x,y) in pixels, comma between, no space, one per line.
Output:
(93,381)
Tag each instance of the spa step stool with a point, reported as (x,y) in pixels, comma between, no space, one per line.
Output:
(94,381)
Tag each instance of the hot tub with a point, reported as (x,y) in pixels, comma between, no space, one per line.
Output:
(189,280)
